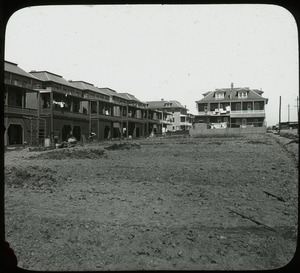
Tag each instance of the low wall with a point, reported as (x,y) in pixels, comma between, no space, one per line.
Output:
(200,129)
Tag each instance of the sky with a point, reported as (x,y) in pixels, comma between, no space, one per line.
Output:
(171,52)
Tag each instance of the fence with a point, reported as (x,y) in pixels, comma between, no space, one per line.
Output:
(200,129)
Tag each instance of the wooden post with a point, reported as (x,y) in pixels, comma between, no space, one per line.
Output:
(298,113)
(51,117)
(279,114)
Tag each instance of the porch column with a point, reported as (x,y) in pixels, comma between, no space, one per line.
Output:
(90,116)
(51,117)
(6,96)
(72,105)
(23,98)
(38,104)
(98,128)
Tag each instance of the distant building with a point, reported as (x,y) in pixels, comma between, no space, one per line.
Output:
(179,118)
(233,107)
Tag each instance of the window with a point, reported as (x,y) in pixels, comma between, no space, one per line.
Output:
(219,95)
(243,94)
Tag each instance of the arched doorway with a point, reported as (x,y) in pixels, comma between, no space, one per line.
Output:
(15,134)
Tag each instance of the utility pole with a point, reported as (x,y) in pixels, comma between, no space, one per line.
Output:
(279,114)
(289,114)
(298,114)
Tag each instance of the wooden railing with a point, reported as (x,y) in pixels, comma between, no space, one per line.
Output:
(16,110)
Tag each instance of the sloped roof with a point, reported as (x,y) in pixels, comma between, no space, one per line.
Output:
(162,104)
(252,94)
(13,68)
(131,97)
(51,77)
(110,92)
(82,85)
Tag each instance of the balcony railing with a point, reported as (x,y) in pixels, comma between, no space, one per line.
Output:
(186,123)
(247,113)
(64,113)
(20,111)
(234,113)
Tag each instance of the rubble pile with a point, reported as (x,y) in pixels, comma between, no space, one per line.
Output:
(123,146)
(31,178)
(70,153)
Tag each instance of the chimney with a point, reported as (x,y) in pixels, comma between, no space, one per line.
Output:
(230,92)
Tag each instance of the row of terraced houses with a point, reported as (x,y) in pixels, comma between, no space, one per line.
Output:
(41,104)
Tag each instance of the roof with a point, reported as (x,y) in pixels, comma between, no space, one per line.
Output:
(253,94)
(160,104)
(13,68)
(51,77)
(82,85)
(110,92)
(131,97)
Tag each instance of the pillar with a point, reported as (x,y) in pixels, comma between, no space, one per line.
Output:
(51,117)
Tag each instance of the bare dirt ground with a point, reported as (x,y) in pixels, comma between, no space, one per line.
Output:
(155,204)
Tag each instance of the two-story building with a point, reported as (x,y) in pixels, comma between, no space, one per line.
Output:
(21,109)
(64,107)
(233,107)
(178,117)
(42,104)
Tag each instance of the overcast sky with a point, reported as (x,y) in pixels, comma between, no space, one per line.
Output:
(173,52)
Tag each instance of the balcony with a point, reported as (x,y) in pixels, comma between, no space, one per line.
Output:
(235,113)
(45,112)
(15,110)
(165,122)
(247,113)
(186,123)
(212,113)
(68,114)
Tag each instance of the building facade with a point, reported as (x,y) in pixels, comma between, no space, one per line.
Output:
(41,104)
(232,107)
(21,108)
(177,116)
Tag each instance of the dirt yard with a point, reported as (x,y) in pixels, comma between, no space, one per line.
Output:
(154,204)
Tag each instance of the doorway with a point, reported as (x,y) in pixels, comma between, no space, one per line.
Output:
(77,132)
(66,132)
(15,134)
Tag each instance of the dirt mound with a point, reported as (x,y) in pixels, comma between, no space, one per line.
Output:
(123,146)
(40,149)
(32,178)
(71,153)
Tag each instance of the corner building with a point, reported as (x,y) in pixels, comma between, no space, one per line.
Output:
(237,107)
